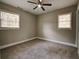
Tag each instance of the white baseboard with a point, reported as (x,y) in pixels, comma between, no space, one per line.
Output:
(12,44)
(59,42)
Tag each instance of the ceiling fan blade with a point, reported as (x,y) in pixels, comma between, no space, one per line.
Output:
(35,7)
(43,8)
(47,4)
(31,2)
(39,1)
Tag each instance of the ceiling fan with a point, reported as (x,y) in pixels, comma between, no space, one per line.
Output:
(40,4)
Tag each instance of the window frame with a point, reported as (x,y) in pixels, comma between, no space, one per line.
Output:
(70,21)
(7,28)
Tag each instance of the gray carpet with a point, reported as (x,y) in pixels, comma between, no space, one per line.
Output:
(39,49)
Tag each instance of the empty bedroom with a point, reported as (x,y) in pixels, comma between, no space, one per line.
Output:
(39,29)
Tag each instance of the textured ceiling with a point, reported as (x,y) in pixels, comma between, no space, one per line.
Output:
(56,4)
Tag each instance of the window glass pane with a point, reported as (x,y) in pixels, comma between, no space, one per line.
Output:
(9,20)
(66,17)
(65,25)
(64,21)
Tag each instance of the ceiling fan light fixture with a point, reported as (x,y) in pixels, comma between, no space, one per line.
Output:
(40,0)
(39,5)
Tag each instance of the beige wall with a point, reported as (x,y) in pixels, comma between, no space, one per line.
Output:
(48,26)
(78,5)
(27,26)
(78,27)
(0,54)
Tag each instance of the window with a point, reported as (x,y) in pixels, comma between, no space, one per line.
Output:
(9,20)
(64,21)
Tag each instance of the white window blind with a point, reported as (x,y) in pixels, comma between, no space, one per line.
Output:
(9,20)
(64,21)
